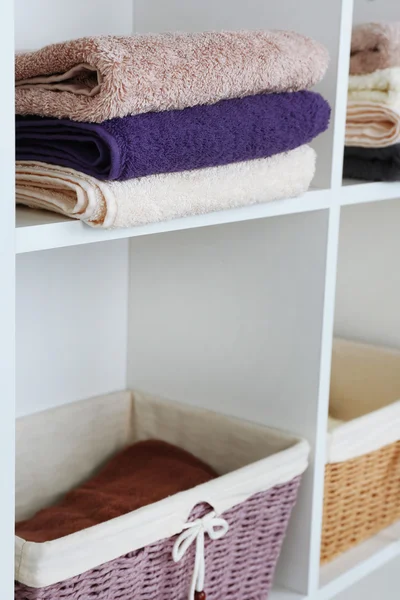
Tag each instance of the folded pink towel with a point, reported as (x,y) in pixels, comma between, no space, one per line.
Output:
(375,46)
(98,78)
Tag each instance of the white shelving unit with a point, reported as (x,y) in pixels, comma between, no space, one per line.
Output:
(233,310)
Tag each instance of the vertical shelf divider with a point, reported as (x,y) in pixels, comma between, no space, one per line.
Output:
(323,399)
(342,80)
(7,313)
(339,120)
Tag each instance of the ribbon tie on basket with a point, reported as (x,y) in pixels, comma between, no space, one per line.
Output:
(215,527)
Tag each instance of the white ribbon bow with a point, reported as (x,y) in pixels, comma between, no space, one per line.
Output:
(215,527)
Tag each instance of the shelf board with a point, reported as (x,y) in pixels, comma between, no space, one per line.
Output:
(359,562)
(281,594)
(358,192)
(43,230)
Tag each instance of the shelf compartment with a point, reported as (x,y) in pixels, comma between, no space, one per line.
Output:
(359,562)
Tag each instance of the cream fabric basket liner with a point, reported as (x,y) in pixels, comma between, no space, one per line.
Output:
(60,448)
(364,400)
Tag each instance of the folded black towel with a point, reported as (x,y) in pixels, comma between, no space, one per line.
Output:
(372,164)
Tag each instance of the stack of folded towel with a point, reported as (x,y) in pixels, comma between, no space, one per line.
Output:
(125,131)
(373,115)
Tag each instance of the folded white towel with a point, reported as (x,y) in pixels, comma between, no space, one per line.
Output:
(163,197)
(379,86)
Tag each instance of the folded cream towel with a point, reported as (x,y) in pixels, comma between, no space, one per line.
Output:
(166,196)
(97,78)
(380,86)
(375,46)
(373,124)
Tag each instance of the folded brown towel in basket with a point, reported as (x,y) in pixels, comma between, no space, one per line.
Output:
(139,475)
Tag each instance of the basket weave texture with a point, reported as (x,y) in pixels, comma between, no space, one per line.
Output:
(239,566)
(362,497)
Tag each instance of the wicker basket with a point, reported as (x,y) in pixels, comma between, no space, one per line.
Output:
(236,522)
(362,475)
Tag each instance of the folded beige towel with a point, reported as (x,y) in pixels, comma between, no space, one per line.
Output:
(166,196)
(373,124)
(373,110)
(98,78)
(375,46)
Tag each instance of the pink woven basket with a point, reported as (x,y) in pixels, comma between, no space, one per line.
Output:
(240,565)
(221,538)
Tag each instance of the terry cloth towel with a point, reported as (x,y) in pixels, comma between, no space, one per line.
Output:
(142,474)
(202,136)
(167,196)
(372,164)
(375,46)
(380,86)
(97,78)
(373,124)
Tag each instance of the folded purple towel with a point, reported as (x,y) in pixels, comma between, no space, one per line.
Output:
(203,136)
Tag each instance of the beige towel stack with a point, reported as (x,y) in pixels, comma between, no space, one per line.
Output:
(373,113)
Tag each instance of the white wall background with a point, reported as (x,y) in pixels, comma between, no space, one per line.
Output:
(40,22)
(368,287)
(376,10)
(71,324)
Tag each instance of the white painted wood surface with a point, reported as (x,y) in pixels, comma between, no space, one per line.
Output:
(232,310)
(360,562)
(375,584)
(323,402)
(7,304)
(41,230)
